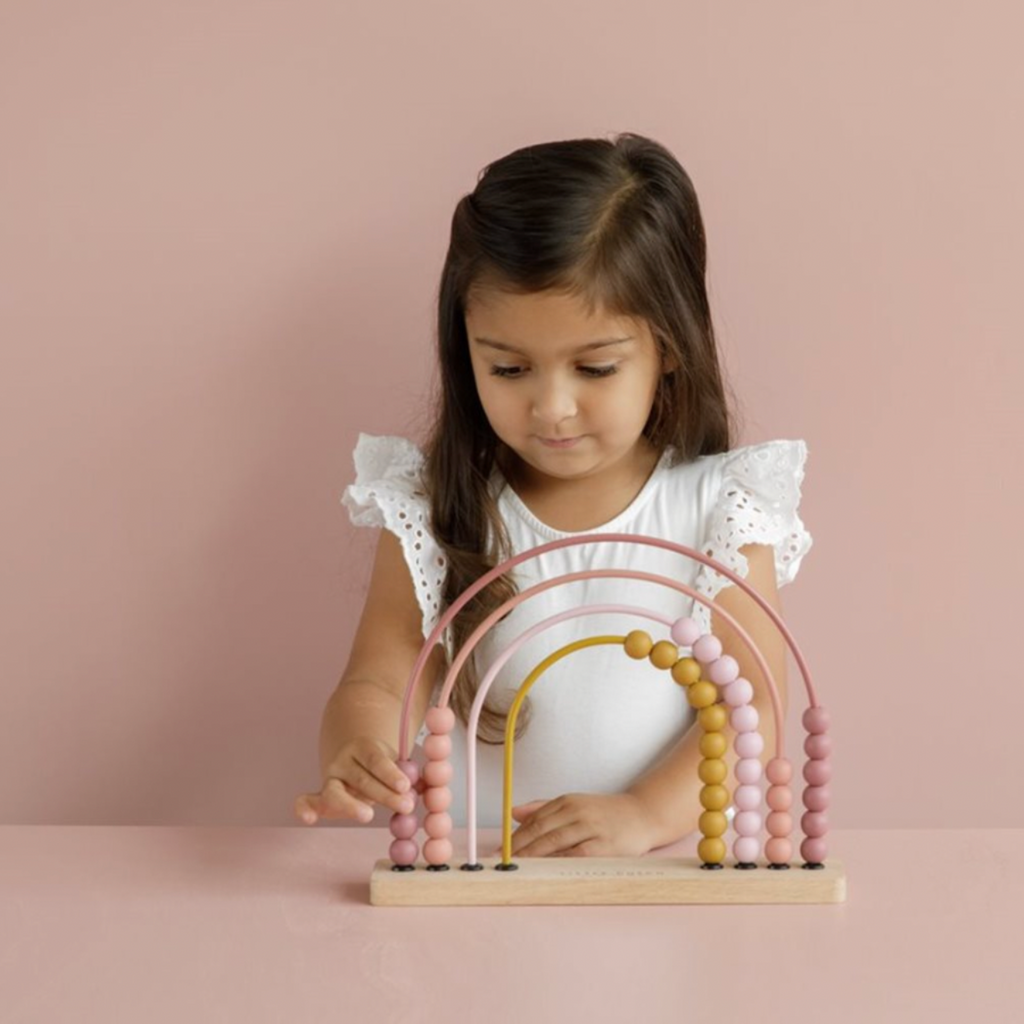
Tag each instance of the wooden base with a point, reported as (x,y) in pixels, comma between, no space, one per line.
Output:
(604,880)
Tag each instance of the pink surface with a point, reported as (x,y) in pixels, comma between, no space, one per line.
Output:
(274,924)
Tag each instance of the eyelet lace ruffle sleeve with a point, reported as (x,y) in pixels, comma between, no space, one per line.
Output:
(387,492)
(757,503)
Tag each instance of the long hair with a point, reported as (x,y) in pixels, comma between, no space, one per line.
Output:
(615,224)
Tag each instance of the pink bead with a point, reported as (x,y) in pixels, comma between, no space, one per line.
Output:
(778,850)
(437,747)
(724,670)
(403,852)
(779,798)
(437,799)
(814,824)
(440,721)
(707,649)
(685,632)
(817,773)
(747,798)
(438,773)
(438,826)
(816,720)
(816,798)
(410,770)
(747,823)
(437,851)
(746,849)
(748,770)
(745,719)
(738,692)
(779,823)
(814,851)
(749,744)
(818,746)
(779,771)
(403,826)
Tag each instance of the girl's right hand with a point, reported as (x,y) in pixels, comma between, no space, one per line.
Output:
(363,773)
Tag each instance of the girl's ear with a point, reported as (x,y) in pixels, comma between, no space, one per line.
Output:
(669,362)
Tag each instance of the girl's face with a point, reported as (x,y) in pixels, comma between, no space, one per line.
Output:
(546,373)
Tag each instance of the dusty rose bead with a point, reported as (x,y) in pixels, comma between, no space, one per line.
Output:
(816,798)
(724,670)
(410,770)
(747,798)
(437,748)
(747,823)
(814,851)
(818,746)
(440,720)
(814,824)
(779,798)
(778,850)
(437,799)
(816,720)
(685,632)
(707,649)
(403,852)
(779,771)
(438,826)
(745,719)
(438,773)
(437,851)
(738,692)
(749,744)
(817,773)
(748,770)
(779,823)
(746,849)
(403,826)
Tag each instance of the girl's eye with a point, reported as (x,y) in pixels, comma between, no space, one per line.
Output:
(587,371)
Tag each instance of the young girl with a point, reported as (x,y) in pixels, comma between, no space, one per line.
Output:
(580,392)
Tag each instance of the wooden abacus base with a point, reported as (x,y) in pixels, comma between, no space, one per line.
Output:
(540,881)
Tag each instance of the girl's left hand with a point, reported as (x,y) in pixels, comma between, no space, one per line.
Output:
(582,825)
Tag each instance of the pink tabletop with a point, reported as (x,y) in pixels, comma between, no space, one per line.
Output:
(154,924)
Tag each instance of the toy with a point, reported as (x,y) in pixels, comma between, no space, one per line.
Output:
(712,685)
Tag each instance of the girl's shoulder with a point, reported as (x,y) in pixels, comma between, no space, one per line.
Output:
(388,477)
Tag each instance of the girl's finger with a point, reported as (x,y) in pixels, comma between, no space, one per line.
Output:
(370,787)
(385,769)
(336,800)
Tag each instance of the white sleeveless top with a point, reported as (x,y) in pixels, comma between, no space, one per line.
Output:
(600,718)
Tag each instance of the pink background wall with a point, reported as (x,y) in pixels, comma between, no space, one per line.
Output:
(221,229)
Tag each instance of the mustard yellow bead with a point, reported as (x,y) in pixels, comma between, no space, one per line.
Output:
(702,694)
(714,798)
(638,644)
(711,850)
(664,654)
(713,719)
(713,823)
(712,770)
(713,744)
(686,671)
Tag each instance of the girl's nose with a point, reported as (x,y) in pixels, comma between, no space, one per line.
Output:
(553,402)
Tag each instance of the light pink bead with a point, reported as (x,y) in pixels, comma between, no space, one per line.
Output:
(440,720)
(685,632)
(779,798)
(749,744)
(814,851)
(818,773)
(747,823)
(746,849)
(724,670)
(438,773)
(437,799)
(403,826)
(745,719)
(707,649)
(437,747)
(410,770)
(739,692)
(438,826)
(747,798)
(816,720)
(778,850)
(437,851)
(779,823)
(748,770)
(403,852)
(816,798)
(818,746)
(779,771)
(814,824)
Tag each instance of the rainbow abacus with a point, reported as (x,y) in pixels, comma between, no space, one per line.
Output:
(713,687)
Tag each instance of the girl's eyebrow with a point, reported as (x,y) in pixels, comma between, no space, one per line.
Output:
(503,347)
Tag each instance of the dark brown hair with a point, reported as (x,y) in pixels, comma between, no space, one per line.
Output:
(616,224)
